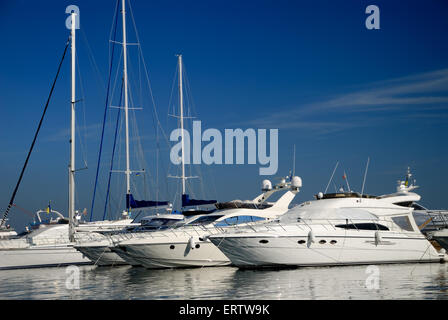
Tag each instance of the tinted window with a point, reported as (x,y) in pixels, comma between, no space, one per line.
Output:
(363,226)
(403,222)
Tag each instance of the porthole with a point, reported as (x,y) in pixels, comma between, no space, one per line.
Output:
(197,246)
(301,241)
(322,242)
(333,241)
(264,241)
(172,247)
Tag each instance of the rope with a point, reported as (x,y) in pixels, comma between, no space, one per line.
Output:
(11,202)
(24,210)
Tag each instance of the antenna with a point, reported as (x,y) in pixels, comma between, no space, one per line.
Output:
(365,175)
(346,180)
(334,170)
(294,163)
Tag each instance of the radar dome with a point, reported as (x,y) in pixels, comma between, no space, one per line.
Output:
(266,185)
(296,183)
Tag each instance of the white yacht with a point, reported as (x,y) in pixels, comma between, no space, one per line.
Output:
(335,229)
(188,245)
(97,246)
(46,244)
(50,243)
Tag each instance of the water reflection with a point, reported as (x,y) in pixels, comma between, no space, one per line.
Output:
(405,281)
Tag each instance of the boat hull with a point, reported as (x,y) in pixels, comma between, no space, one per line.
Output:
(176,255)
(354,250)
(41,257)
(125,256)
(101,255)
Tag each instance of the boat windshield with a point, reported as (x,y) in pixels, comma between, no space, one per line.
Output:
(160,223)
(204,220)
(232,221)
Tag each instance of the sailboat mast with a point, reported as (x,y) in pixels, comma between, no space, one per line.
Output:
(71,210)
(126,110)
(181,103)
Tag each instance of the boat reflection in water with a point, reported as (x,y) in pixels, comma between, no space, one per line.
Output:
(399,281)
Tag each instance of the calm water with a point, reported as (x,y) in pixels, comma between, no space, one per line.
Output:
(405,281)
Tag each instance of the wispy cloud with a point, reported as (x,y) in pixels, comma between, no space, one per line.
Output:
(88,132)
(403,98)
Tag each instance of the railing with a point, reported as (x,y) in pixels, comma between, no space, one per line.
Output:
(205,230)
(28,242)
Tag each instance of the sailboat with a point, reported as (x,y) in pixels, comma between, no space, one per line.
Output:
(50,244)
(189,206)
(95,246)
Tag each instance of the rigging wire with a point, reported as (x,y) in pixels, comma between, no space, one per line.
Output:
(11,201)
(82,139)
(113,152)
(104,118)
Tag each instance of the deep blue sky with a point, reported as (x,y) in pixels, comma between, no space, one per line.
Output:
(336,90)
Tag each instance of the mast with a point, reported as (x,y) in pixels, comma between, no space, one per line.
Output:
(71,209)
(126,110)
(181,104)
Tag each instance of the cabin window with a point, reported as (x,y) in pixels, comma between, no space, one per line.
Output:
(333,241)
(403,222)
(301,241)
(172,247)
(363,226)
(264,241)
(322,242)
(197,246)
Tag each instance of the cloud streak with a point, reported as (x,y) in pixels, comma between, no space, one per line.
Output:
(400,99)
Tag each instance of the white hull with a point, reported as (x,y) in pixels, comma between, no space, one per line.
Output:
(41,256)
(101,255)
(156,256)
(353,249)
(126,256)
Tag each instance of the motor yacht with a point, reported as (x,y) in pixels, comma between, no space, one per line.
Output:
(96,246)
(344,228)
(188,245)
(45,244)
